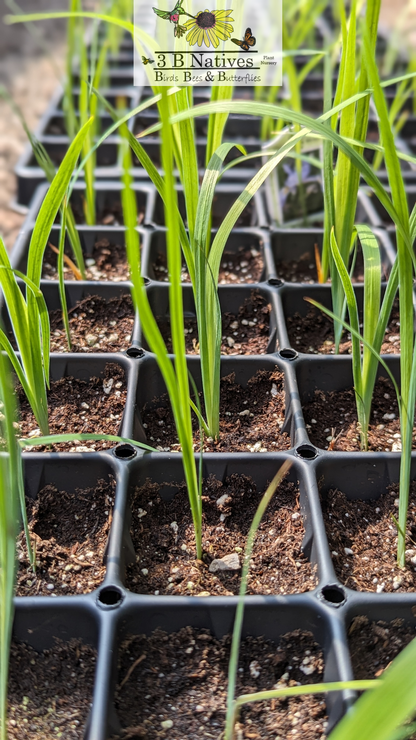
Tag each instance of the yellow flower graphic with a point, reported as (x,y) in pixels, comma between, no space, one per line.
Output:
(209,27)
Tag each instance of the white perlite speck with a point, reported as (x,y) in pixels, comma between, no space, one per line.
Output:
(167,724)
(255,669)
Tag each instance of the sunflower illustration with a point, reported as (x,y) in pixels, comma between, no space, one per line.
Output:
(209,27)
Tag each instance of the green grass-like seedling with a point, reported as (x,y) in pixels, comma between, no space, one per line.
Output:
(29,316)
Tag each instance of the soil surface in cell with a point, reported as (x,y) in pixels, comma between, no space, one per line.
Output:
(164,541)
(331,420)
(373,645)
(245,333)
(314,334)
(175,686)
(95,324)
(93,406)
(50,693)
(363,541)
(108,261)
(69,533)
(304,270)
(244,266)
(251,417)
(110,215)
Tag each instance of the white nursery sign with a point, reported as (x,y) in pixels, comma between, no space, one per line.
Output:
(238,42)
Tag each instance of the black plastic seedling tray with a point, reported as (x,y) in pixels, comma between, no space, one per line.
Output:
(30,175)
(107,201)
(225,195)
(366,211)
(107,616)
(375,213)
(237,125)
(52,134)
(104,617)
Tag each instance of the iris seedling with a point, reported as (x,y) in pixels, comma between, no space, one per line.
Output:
(11,490)
(405,236)
(29,316)
(175,373)
(341,186)
(375,319)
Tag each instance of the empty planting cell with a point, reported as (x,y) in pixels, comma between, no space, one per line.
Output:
(50,692)
(273,651)
(70,513)
(374,644)
(177,699)
(69,529)
(359,500)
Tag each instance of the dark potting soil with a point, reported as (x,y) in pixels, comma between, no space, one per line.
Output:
(175,686)
(245,266)
(373,645)
(164,542)
(245,333)
(250,418)
(110,215)
(50,693)
(303,270)
(314,334)
(331,420)
(96,325)
(93,406)
(69,533)
(363,541)
(57,127)
(107,262)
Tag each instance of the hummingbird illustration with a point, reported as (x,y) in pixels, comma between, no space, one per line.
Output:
(173,17)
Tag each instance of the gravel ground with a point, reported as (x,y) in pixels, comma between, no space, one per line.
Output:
(30,72)
(31,65)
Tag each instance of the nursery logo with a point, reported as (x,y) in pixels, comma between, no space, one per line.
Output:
(189,45)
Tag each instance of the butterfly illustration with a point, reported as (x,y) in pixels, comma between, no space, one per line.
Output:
(249,40)
(147,61)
